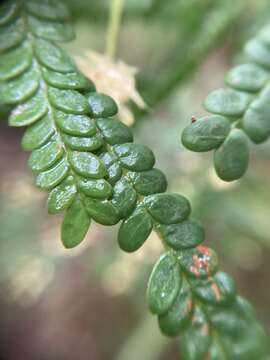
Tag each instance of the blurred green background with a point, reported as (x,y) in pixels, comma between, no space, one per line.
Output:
(88,303)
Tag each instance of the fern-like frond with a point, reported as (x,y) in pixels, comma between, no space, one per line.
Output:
(88,162)
(241,112)
(56,103)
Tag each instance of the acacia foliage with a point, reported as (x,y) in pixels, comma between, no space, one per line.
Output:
(87,161)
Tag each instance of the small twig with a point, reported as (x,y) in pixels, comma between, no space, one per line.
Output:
(116,11)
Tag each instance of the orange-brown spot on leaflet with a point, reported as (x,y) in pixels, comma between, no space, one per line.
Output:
(193,119)
(201,262)
(204,249)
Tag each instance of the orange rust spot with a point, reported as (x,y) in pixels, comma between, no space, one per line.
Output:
(204,249)
(207,357)
(200,262)
(216,291)
(193,119)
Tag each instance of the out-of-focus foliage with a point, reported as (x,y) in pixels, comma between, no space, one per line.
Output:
(184,43)
(240,112)
(172,36)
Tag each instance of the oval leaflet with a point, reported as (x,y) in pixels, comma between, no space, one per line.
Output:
(164,284)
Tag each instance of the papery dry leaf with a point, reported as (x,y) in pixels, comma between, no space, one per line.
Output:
(115,79)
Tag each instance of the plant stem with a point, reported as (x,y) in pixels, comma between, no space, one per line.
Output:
(116,11)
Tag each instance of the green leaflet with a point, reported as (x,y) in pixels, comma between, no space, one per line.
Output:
(197,338)
(251,345)
(77,125)
(52,56)
(148,182)
(49,9)
(83,143)
(21,88)
(246,308)
(101,105)
(8,11)
(179,315)
(231,320)
(102,211)
(114,131)
(49,179)
(38,134)
(50,30)
(227,102)
(43,158)
(164,284)
(258,52)
(135,230)
(168,208)
(99,189)
(87,164)
(14,62)
(70,101)
(231,159)
(75,225)
(247,77)
(256,122)
(62,196)
(199,263)
(220,289)
(71,80)
(135,157)
(11,35)
(186,234)
(124,197)
(206,133)
(29,112)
